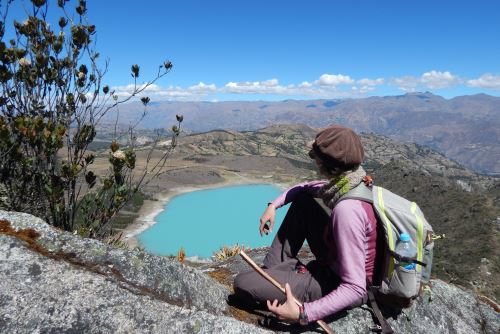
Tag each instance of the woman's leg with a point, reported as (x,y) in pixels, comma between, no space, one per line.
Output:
(306,219)
(307,286)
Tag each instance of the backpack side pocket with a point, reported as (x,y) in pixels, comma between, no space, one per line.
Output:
(403,282)
(426,271)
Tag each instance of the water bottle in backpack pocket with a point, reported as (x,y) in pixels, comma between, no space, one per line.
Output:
(404,278)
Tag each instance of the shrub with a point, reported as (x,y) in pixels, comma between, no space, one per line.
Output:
(52,99)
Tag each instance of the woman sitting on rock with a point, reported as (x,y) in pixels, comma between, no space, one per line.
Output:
(342,236)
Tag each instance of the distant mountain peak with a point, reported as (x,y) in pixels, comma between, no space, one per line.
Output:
(422,94)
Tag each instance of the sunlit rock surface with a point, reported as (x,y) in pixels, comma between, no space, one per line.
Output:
(56,282)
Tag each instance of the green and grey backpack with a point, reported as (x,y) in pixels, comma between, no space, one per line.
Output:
(395,285)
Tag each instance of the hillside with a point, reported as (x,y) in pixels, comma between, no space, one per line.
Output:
(464,128)
(291,142)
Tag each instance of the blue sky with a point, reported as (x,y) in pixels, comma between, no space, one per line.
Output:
(276,50)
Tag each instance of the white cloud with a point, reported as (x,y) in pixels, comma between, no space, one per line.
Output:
(437,80)
(334,80)
(270,83)
(363,89)
(305,84)
(371,82)
(407,83)
(203,88)
(195,92)
(327,86)
(367,85)
(270,86)
(486,80)
(429,80)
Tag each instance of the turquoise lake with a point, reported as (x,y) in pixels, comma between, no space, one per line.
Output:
(203,221)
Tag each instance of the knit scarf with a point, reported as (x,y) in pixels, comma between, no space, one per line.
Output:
(339,185)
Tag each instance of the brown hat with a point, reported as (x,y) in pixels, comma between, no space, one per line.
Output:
(338,147)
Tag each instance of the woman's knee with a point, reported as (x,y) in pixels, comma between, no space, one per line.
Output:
(244,286)
(241,280)
(303,198)
(305,202)
(252,287)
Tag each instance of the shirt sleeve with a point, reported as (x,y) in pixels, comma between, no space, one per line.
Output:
(288,195)
(349,237)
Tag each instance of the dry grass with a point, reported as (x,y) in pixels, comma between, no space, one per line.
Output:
(181,255)
(226,252)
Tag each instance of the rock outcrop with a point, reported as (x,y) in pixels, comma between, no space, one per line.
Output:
(444,308)
(56,282)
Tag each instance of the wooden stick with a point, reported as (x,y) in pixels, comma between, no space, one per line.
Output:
(254,265)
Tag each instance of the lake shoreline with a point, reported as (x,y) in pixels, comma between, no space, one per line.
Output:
(152,208)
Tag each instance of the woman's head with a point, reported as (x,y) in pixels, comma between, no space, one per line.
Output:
(337,149)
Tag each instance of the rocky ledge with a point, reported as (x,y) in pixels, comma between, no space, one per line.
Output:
(57,282)
(443,308)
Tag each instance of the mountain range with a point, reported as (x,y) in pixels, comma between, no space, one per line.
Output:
(464,128)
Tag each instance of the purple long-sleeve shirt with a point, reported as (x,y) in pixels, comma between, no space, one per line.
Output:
(353,245)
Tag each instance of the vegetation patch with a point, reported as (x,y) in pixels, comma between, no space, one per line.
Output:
(223,276)
(226,252)
(52,99)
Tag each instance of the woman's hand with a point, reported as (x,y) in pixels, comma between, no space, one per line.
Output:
(288,311)
(267,216)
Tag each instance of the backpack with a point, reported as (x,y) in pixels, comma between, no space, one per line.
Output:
(394,285)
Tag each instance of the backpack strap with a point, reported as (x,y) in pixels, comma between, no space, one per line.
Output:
(406,259)
(385,328)
(361,192)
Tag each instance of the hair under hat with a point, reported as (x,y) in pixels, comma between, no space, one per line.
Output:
(338,147)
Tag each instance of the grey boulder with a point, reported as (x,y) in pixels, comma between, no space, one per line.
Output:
(60,283)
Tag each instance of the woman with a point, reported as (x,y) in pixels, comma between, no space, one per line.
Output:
(341,235)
